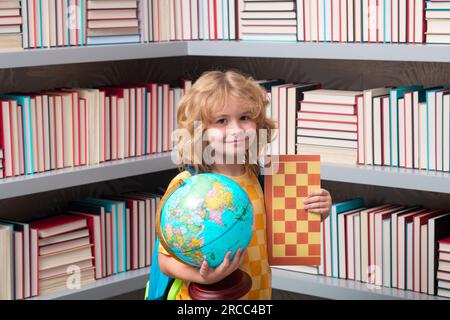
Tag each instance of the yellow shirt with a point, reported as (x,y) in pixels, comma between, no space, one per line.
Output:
(255,261)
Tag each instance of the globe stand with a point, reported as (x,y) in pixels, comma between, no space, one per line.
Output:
(233,287)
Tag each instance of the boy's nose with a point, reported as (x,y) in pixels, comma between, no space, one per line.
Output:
(234,125)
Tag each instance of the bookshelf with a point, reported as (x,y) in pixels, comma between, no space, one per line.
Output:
(286,280)
(319,286)
(339,289)
(109,287)
(70,177)
(433,181)
(333,51)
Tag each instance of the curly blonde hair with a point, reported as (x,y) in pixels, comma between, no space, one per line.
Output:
(206,98)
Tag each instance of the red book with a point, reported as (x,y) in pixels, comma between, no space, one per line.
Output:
(56,225)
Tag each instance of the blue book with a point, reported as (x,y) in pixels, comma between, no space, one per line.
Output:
(337,209)
(25,102)
(394,95)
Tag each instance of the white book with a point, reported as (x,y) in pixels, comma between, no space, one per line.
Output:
(144,20)
(132,123)
(361,130)
(128,236)
(269,5)
(186,20)
(365,20)
(404,262)
(314,22)
(402,23)
(345,28)
(387,21)
(423,143)
(173,20)
(415,130)
(424,258)
(150,222)
(366,262)
(205,19)
(380,21)
(419,21)
(156,98)
(282,92)
(372,21)
(322,21)
(307,20)
(19,281)
(431,130)
(446,133)
(411,21)
(194,19)
(121,116)
(232,18)
(34,143)
(350,245)
(357,248)
(300,21)
(401,133)
(140,244)
(377,136)
(439,131)
(386,107)
(336,20)
(45,6)
(409,256)
(368,114)
(386,253)
(395,21)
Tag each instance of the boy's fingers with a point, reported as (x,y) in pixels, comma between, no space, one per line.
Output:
(204,268)
(315,199)
(226,260)
(317,205)
(237,256)
(317,192)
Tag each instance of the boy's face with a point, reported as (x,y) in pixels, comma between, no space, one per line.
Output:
(231,132)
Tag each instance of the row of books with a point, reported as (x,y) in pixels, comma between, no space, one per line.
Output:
(75,127)
(386,246)
(327,124)
(397,21)
(10,24)
(405,127)
(438,21)
(188,20)
(443,272)
(95,238)
(42,23)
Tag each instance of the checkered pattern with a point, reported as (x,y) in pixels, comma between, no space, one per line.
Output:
(293,233)
(255,261)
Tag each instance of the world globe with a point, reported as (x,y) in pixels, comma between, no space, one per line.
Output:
(204,218)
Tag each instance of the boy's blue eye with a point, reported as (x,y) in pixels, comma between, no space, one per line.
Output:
(245,118)
(221,121)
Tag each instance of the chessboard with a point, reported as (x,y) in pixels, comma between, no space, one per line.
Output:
(293,233)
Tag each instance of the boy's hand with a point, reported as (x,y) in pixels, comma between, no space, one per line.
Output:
(211,275)
(319,201)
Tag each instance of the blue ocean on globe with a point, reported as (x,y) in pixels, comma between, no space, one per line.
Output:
(207,216)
